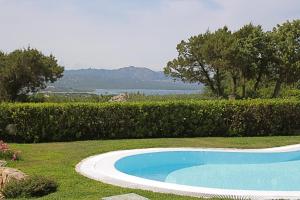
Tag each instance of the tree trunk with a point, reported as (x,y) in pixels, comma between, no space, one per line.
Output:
(209,81)
(212,87)
(256,85)
(258,80)
(234,86)
(277,88)
(244,87)
(219,86)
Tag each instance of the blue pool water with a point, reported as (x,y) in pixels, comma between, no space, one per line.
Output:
(224,170)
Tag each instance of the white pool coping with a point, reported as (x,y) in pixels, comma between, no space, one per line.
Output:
(101,167)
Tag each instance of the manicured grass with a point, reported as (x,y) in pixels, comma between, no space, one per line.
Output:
(58,160)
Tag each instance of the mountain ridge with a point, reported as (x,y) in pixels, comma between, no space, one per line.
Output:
(123,78)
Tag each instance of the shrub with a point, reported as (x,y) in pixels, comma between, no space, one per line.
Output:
(44,122)
(12,189)
(36,186)
(291,94)
(7,153)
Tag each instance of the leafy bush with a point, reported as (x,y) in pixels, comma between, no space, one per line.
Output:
(291,94)
(7,153)
(36,186)
(41,122)
(13,189)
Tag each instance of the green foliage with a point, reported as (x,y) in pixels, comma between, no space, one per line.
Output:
(240,63)
(169,97)
(25,71)
(132,97)
(286,42)
(200,60)
(68,97)
(250,57)
(8,154)
(13,189)
(35,186)
(291,94)
(85,121)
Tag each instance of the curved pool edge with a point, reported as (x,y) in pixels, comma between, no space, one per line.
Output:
(107,173)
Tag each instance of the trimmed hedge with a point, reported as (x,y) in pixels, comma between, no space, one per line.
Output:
(44,122)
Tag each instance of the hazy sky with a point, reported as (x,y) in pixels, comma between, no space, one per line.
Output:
(119,33)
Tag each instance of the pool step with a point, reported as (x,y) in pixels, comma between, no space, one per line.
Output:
(130,196)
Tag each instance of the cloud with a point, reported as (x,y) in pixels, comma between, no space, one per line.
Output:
(117,33)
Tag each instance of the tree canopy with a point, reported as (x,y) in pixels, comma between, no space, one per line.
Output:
(240,63)
(26,71)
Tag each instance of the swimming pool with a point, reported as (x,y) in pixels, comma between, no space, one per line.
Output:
(255,174)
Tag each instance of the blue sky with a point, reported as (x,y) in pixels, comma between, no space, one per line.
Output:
(119,33)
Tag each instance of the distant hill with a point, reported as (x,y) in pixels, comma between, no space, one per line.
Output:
(123,78)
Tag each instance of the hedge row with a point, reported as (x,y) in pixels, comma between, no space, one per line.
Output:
(44,122)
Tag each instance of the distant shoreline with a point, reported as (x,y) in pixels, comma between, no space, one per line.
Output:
(130,91)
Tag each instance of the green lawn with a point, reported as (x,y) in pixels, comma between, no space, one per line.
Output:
(58,160)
